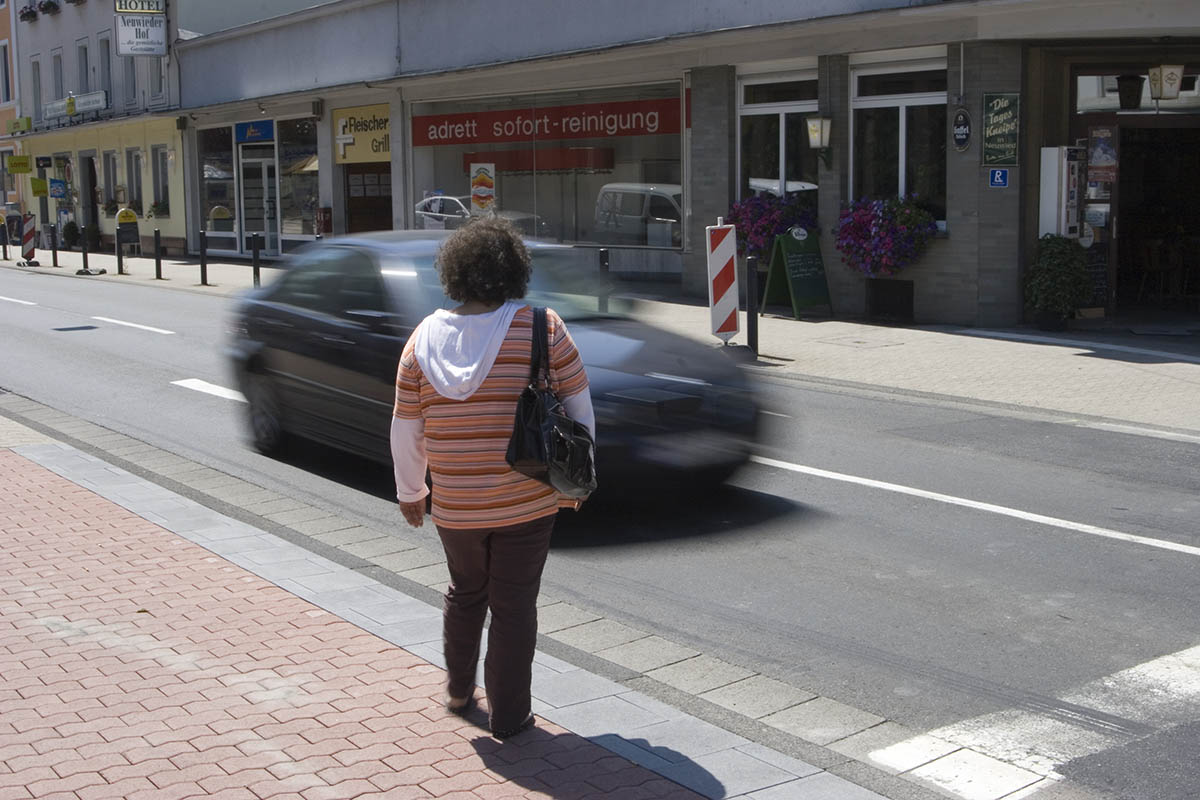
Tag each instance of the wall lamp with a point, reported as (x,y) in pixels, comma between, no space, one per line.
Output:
(1165,81)
(818,137)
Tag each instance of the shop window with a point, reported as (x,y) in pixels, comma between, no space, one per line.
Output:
(133,179)
(779,92)
(35,80)
(156,77)
(160,159)
(7,179)
(563,162)
(105,53)
(773,144)
(130,80)
(899,135)
(5,75)
(83,68)
(298,176)
(56,74)
(218,200)
(110,180)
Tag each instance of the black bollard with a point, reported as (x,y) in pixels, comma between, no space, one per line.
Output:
(54,245)
(4,238)
(157,255)
(254,249)
(752,303)
(203,258)
(603,299)
(120,254)
(83,249)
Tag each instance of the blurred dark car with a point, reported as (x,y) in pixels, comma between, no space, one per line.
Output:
(316,351)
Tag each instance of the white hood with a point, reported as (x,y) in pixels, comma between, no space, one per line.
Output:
(456,351)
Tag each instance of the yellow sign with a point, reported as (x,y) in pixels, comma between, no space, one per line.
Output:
(20,124)
(362,134)
(18,165)
(40,187)
(126,215)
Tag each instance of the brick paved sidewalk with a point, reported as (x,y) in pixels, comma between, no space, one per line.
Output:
(137,664)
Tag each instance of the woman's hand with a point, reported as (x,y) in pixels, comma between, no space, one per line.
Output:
(414,513)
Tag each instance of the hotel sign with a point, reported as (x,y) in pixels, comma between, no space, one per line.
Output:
(76,104)
(141,27)
(141,6)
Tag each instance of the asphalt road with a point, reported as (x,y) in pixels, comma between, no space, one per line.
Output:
(923,611)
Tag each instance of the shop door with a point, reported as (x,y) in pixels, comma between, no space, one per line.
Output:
(368,197)
(260,207)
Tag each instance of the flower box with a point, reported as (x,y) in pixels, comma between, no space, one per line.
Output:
(76,2)
(27,13)
(49,6)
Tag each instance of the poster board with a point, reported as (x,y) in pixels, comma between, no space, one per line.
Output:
(1001,129)
(796,272)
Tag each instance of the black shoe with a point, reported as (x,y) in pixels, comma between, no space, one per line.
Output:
(464,709)
(511,732)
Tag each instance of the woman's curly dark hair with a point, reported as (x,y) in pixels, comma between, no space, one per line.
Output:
(484,260)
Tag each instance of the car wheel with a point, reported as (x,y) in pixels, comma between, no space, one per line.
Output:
(265,414)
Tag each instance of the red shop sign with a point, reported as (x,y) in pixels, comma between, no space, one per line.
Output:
(584,121)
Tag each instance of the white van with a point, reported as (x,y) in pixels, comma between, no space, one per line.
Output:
(640,214)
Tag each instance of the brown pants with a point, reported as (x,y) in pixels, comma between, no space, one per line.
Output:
(500,569)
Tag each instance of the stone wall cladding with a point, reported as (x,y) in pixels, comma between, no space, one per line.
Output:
(712,161)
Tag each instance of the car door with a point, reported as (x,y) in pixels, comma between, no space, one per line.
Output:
(366,336)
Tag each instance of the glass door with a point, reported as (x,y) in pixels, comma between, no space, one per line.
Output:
(260,206)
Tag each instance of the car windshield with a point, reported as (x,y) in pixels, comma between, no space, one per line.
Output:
(564,278)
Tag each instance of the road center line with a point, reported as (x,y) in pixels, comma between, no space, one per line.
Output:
(210,388)
(135,325)
(1041,519)
(15,300)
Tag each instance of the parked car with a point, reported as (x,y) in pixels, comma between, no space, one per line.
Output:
(447,212)
(639,214)
(315,353)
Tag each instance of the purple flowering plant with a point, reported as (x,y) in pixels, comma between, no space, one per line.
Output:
(882,237)
(761,217)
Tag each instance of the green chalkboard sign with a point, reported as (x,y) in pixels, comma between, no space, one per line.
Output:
(796,272)
(1001,129)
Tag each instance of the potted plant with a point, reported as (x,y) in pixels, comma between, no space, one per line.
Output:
(111,208)
(761,217)
(70,235)
(48,6)
(27,13)
(1058,282)
(160,209)
(879,238)
(76,2)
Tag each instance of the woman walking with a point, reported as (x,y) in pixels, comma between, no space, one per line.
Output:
(456,396)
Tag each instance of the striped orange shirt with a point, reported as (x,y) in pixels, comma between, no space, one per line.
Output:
(466,440)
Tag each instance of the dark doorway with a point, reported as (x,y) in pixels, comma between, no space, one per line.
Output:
(1159,211)
(368,197)
(89,201)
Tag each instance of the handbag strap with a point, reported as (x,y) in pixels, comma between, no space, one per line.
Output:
(539,365)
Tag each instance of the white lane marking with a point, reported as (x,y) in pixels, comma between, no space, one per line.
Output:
(135,325)
(776,414)
(210,388)
(1159,693)
(15,300)
(1041,519)
(1082,344)
(1135,430)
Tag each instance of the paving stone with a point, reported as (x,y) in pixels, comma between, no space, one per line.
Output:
(727,773)
(604,715)
(343,537)
(274,506)
(565,689)
(321,525)
(777,759)
(405,560)
(380,545)
(757,696)
(557,616)
(678,740)
(434,576)
(646,654)
(893,748)
(822,720)
(342,579)
(974,776)
(817,787)
(601,634)
(700,674)
(297,515)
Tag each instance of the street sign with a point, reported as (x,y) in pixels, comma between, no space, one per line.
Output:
(140,6)
(58,189)
(998,178)
(796,271)
(142,34)
(20,124)
(44,162)
(127,227)
(39,187)
(722,280)
(18,165)
(126,215)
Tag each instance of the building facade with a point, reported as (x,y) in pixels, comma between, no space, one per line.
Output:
(9,89)
(633,131)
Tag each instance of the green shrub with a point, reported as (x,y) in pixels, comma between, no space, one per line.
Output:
(92,234)
(1058,281)
(70,235)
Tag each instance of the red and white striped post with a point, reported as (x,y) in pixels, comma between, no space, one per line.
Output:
(721,241)
(28,230)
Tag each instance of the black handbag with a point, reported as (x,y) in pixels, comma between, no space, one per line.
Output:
(546,444)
